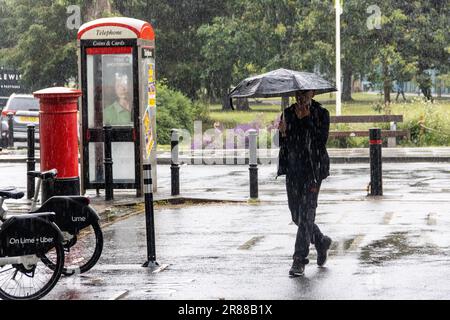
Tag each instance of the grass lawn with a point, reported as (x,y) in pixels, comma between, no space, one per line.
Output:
(363,104)
(434,115)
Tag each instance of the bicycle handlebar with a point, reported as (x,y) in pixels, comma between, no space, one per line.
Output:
(43,175)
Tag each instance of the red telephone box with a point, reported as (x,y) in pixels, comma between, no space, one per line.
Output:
(59,139)
(117,75)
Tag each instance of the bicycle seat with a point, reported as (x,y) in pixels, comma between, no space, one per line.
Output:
(43,175)
(50,216)
(11,193)
(45,215)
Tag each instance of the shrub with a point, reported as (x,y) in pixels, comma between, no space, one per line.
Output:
(174,110)
(430,127)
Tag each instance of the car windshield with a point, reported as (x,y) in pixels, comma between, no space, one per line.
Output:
(24,104)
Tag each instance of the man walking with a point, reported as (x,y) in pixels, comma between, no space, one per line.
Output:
(304,160)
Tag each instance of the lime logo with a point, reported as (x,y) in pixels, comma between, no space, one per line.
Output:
(25,241)
(78,219)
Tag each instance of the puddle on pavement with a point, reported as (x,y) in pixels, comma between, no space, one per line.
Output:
(342,246)
(94,282)
(236,173)
(348,243)
(123,211)
(393,247)
(71,295)
(334,248)
(251,243)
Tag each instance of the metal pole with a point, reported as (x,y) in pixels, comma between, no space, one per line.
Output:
(149,217)
(31,160)
(338,56)
(10,130)
(376,174)
(253,162)
(108,163)
(174,163)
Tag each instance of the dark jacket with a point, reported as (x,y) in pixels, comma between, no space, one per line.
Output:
(319,126)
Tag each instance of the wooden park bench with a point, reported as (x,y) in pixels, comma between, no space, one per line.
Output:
(392,134)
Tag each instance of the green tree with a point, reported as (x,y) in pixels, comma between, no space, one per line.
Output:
(5,20)
(177,44)
(38,42)
(428,39)
(263,35)
(357,49)
(390,43)
(222,54)
(412,40)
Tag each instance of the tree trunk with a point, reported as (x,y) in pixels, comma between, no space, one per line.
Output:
(347,83)
(242,104)
(226,103)
(387,91)
(98,8)
(386,84)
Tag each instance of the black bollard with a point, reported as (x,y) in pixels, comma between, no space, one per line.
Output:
(10,130)
(376,174)
(174,163)
(253,162)
(108,162)
(31,160)
(149,217)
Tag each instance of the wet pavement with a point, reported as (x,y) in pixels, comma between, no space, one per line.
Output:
(390,247)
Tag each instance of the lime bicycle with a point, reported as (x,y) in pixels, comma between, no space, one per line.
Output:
(79,224)
(26,242)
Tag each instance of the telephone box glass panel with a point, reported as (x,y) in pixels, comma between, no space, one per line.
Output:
(123,163)
(110,84)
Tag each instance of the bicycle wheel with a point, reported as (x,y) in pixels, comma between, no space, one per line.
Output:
(34,281)
(82,250)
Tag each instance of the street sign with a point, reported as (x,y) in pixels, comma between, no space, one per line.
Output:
(10,82)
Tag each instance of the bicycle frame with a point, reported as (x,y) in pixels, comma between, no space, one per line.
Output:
(35,198)
(27,261)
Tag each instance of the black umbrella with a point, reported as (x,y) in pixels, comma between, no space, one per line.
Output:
(280,83)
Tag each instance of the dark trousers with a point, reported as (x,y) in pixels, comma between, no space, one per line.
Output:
(403,95)
(302,200)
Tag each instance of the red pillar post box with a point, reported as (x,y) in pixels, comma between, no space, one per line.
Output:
(59,139)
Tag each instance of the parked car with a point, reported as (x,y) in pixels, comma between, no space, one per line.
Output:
(25,109)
